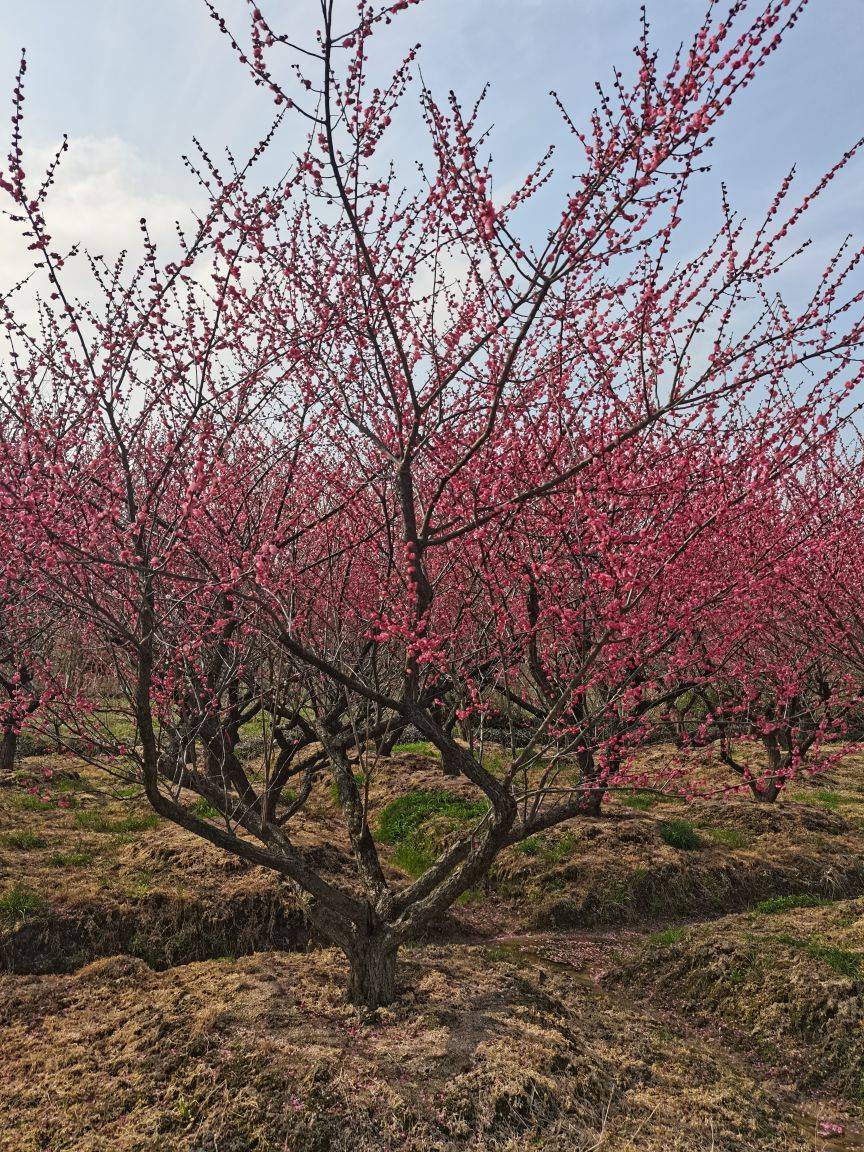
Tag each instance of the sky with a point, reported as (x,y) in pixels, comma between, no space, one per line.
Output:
(131,82)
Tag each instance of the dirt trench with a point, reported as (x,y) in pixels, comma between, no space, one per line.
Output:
(162,929)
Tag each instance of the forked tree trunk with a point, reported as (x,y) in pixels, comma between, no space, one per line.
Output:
(764,790)
(8,749)
(372,981)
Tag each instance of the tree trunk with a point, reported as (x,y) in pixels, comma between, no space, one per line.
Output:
(594,802)
(372,982)
(449,763)
(765,791)
(8,748)
(387,743)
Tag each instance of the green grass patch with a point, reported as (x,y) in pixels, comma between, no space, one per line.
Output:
(402,818)
(729,837)
(497,760)
(836,799)
(23,839)
(825,798)
(203,809)
(643,799)
(259,727)
(470,896)
(786,903)
(828,799)
(18,903)
(95,820)
(62,783)
(129,791)
(841,960)
(637,798)
(24,802)
(844,962)
(118,726)
(508,953)
(402,822)
(666,937)
(70,859)
(531,846)
(552,851)
(418,748)
(680,834)
(414,856)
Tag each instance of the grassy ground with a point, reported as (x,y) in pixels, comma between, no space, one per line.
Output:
(669,976)
(674,861)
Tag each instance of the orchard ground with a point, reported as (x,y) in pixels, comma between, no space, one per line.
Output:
(671,975)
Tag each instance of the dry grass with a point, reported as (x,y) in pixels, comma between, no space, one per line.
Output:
(91,874)
(626,868)
(113,882)
(785,980)
(264,1054)
(488,1047)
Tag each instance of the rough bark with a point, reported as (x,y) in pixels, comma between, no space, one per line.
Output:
(766,792)
(386,744)
(372,981)
(8,750)
(593,805)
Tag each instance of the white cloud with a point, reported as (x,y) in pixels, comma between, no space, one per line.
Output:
(103,188)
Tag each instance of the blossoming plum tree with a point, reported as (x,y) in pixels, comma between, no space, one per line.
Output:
(366,457)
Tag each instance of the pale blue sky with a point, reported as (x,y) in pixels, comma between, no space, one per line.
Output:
(132,80)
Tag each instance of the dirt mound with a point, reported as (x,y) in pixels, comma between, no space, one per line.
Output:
(678,861)
(162,928)
(787,980)
(786,816)
(85,874)
(264,1054)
